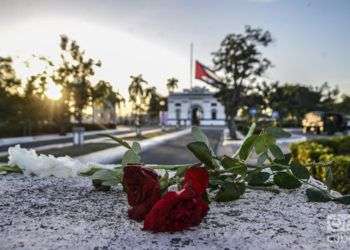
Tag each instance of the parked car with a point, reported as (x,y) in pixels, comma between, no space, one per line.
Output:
(328,122)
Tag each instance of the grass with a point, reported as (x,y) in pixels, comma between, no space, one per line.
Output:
(87,148)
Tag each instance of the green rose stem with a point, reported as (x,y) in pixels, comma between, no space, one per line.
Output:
(305,181)
(269,189)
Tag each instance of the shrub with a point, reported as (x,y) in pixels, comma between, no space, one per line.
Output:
(341,173)
(310,153)
(340,145)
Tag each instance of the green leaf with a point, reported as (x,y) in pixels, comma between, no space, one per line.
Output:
(136,147)
(260,145)
(198,135)
(281,162)
(251,129)
(299,171)
(276,151)
(164,181)
(233,165)
(262,158)
(99,186)
(6,169)
(130,157)
(202,153)
(108,177)
(168,167)
(230,191)
(247,147)
(286,180)
(180,171)
(277,132)
(317,195)
(119,140)
(329,177)
(258,178)
(90,172)
(288,157)
(343,200)
(263,142)
(276,168)
(249,134)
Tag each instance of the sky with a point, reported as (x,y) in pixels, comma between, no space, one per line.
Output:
(152,38)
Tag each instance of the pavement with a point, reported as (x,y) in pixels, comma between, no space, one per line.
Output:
(176,152)
(53,213)
(165,149)
(114,155)
(57,141)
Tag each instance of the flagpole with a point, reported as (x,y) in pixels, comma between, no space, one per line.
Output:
(191,65)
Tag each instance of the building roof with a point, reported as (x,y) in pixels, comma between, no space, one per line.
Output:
(191,92)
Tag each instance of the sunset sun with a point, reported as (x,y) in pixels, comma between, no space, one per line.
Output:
(53,91)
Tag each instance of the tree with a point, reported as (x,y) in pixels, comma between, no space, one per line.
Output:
(9,98)
(34,109)
(329,96)
(172,84)
(103,94)
(344,105)
(240,61)
(74,76)
(156,103)
(137,95)
(292,101)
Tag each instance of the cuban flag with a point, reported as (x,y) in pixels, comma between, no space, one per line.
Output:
(206,75)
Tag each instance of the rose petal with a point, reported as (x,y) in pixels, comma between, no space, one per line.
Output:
(143,190)
(176,211)
(198,178)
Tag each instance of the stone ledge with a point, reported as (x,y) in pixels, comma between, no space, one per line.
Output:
(56,213)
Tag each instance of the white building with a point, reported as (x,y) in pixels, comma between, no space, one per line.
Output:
(197,106)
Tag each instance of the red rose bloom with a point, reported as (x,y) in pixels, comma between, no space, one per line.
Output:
(143,190)
(177,211)
(198,178)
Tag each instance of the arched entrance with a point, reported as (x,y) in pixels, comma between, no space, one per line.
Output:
(196,114)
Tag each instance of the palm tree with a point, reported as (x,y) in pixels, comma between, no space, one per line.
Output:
(172,84)
(104,95)
(155,102)
(137,96)
(151,91)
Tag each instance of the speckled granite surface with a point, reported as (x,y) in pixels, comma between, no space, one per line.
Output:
(54,213)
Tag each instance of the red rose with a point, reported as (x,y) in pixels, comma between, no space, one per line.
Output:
(198,178)
(143,190)
(176,211)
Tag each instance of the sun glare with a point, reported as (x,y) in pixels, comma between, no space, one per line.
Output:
(53,91)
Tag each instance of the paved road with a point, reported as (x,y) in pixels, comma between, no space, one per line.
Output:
(63,140)
(175,151)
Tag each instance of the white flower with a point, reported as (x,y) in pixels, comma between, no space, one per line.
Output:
(43,165)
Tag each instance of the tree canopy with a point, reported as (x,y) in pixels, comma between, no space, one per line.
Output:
(240,61)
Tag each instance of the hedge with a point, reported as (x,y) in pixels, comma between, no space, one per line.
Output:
(335,150)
